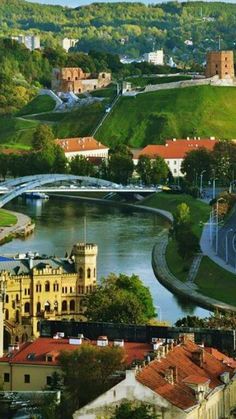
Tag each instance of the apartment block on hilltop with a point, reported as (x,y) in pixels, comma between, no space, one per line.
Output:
(68,43)
(74,79)
(184,381)
(155,57)
(220,63)
(175,150)
(31,42)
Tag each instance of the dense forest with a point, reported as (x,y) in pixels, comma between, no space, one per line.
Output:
(127,28)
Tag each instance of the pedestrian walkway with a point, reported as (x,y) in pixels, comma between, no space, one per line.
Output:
(22,222)
(207,250)
(194,269)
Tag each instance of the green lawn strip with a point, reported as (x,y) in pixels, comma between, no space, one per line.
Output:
(144,81)
(149,118)
(7,219)
(39,104)
(16,132)
(216,282)
(199,211)
(175,263)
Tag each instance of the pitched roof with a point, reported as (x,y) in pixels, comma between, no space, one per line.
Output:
(34,353)
(177,149)
(222,357)
(180,393)
(80,144)
(21,266)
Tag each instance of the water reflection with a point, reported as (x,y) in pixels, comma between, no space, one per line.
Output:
(125,240)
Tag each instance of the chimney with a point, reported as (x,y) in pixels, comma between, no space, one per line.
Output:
(185,337)
(198,357)
(31,263)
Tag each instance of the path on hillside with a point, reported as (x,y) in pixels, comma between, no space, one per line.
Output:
(22,222)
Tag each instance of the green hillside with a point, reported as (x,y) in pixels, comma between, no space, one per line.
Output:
(16,132)
(152,117)
(39,104)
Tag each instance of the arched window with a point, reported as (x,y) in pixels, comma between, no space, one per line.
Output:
(81,273)
(72,305)
(17,339)
(55,305)
(47,306)
(47,286)
(38,307)
(64,305)
(17,298)
(6,314)
(7,299)
(38,326)
(17,316)
(88,273)
(94,272)
(27,307)
(38,287)
(55,286)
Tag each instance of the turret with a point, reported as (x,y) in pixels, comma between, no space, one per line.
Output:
(85,260)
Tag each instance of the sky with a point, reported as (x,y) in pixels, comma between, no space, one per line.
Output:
(76,3)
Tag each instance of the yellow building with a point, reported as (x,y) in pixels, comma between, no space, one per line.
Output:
(50,288)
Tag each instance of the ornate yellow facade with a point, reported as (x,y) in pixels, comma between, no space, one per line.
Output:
(51,288)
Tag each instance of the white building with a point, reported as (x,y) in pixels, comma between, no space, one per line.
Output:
(174,151)
(83,146)
(155,57)
(30,41)
(68,43)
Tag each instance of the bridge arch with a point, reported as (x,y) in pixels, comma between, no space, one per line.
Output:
(23,184)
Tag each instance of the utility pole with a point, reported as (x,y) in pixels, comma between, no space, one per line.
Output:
(219,42)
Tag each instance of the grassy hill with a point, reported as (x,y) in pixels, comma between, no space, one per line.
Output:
(39,104)
(152,117)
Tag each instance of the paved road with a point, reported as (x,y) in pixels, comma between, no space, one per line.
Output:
(22,221)
(227,241)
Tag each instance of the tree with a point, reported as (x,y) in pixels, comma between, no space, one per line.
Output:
(128,410)
(181,218)
(224,160)
(4,164)
(195,162)
(43,137)
(88,373)
(144,169)
(120,168)
(81,166)
(159,171)
(190,321)
(120,299)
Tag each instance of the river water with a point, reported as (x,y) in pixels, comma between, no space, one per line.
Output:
(124,237)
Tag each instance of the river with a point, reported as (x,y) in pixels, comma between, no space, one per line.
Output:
(124,237)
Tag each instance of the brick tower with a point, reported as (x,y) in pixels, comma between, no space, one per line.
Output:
(220,63)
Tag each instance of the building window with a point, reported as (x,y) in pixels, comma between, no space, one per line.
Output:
(47,306)
(49,380)
(56,287)
(17,316)
(38,288)
(225,58)
(25,291)
(216,65)
(27,378)
(175,170)
(47,286)
(38,308)
(64,305)
(27,307)
(68,78)
(94,272)
(55,305)
(72,305)
(225,65)
(71,290)
(6,314)
(89,273)
(6,299)
(6,377)
(175,162)
(17,298)
(81,272)
(28,291)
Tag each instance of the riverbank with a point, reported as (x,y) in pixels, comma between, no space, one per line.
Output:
(22,227)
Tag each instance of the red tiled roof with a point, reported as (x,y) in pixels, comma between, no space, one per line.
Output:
(176,149)
(80,144)
(196,379)
(222,357)
(49,346)
(179,393)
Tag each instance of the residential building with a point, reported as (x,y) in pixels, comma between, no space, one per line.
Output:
(83,146)
(220,63)
(155,57)
(74,79)
(30,41)
(68,43)
(30,366)
(174,151)
(183,381)
(41,288)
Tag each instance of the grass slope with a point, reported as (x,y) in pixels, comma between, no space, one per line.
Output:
(39,104)
(153,117)
(16,132)
(7,219)
(144,81)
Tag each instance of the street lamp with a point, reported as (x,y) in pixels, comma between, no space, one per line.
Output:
(226,246)
(217,222)
(233,245)
(230,186)
(201,176)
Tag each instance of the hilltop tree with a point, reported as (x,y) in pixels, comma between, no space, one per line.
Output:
(120,299)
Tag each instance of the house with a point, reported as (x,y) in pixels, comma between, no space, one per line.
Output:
(183,381)
(83,146)
(68,43)
(174,151)
(74,79)
(31,42)
(30,366)
(154,57)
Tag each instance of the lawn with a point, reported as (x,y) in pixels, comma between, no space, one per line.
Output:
(216,282)
(150,118)
(6,218)
(39,104)
(16,132)
(144,81)
(175,263)
(166,201)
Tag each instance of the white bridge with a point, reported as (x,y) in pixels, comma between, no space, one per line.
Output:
(10,189)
